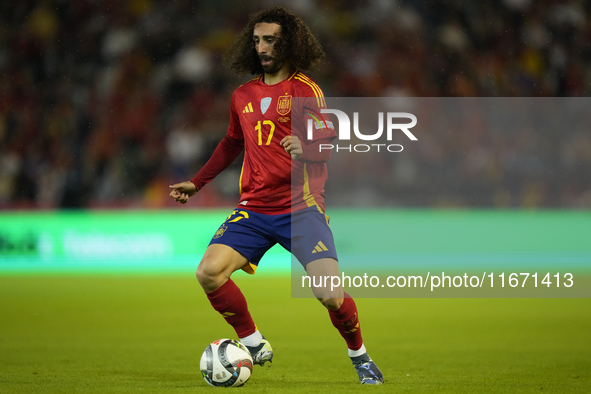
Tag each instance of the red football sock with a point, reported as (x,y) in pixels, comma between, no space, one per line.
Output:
(229,301)
(345,320)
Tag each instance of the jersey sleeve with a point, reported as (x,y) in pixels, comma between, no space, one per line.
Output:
(226,152)
(311,125)
(319,151)
(234,129)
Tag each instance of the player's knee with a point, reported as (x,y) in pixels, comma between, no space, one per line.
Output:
(209,278)
(201,274)
(331,303)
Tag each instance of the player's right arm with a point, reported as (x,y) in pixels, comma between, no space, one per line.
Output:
(226,152)
(182,191)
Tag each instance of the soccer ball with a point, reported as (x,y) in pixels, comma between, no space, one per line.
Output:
(226,363)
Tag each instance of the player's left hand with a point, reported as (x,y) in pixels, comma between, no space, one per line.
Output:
(293,146)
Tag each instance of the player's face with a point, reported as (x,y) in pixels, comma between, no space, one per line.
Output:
(265,36)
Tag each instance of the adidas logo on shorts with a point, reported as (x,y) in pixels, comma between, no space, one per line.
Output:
(320,247)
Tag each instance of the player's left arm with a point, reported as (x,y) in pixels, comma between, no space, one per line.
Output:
(315,150)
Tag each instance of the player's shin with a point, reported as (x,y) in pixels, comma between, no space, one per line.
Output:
(229,301)
(346,320)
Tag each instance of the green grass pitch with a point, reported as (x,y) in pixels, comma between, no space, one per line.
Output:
(145,334)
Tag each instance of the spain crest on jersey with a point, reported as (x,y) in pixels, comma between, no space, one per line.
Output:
(284,105)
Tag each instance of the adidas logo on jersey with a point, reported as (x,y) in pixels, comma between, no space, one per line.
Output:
(320,248)
(247,109)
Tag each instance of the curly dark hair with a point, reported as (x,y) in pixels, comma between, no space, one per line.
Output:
(297,44)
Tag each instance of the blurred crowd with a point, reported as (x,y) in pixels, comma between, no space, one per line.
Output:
(104,103)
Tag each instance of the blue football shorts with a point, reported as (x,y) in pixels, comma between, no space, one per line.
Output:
(305,234)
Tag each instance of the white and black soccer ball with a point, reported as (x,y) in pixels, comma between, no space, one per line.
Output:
(226,363)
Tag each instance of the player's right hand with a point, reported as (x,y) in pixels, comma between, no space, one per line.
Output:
(182,191)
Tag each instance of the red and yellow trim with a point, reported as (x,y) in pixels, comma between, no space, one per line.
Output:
(252,80)
(309,198)
(315,88)
(240,180)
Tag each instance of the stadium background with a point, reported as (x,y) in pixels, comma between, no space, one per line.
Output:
(103,104)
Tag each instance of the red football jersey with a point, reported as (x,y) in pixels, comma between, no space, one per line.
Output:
(271,182)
